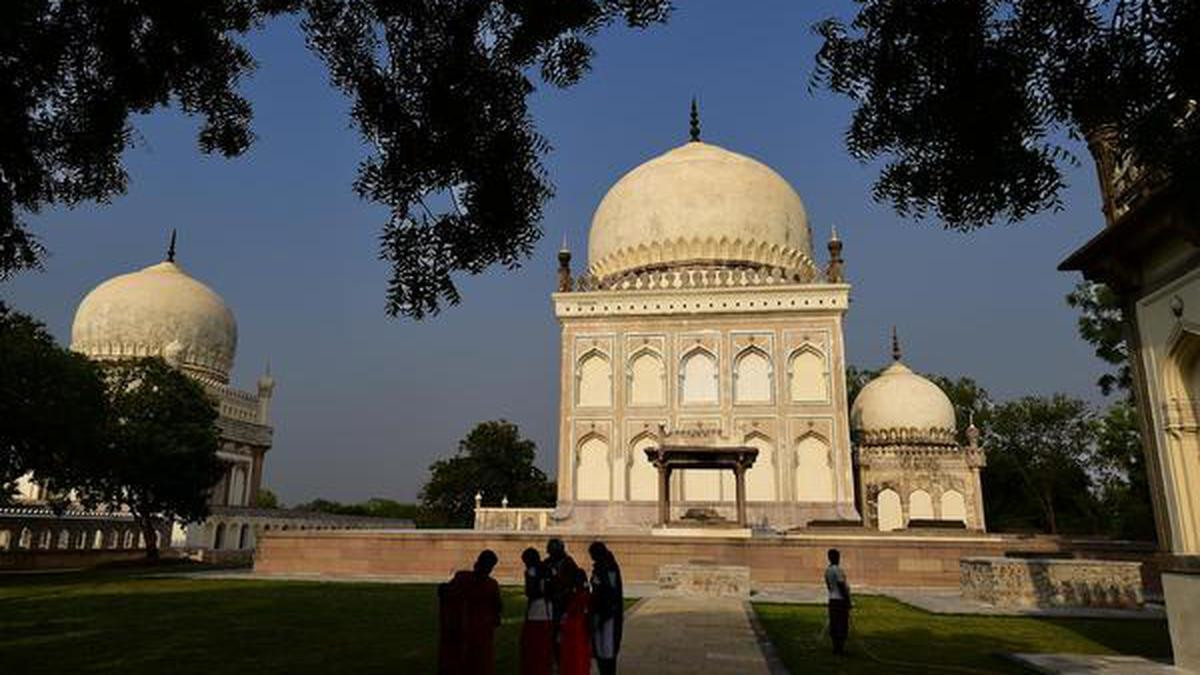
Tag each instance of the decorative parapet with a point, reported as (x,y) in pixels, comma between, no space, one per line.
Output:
(516,519)
(907,436)
(676,254)
(884,455)
(699,275)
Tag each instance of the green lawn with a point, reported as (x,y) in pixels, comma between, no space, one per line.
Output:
(114,622)
(890,637)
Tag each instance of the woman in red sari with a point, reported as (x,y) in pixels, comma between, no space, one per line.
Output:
(575,647)
(537,633)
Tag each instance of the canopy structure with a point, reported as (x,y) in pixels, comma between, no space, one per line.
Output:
(667,458)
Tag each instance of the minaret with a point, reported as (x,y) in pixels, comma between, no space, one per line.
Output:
(694,131)
(266,389)
(564,267)
(833,273)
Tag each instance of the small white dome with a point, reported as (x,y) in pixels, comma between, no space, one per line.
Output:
(700,203)
(158,311)
(901,407)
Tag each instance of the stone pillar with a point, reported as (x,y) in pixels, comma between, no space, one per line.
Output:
(664,494)
(739,479)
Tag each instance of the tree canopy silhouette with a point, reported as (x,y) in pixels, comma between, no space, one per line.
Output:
(974,104)
(439,90)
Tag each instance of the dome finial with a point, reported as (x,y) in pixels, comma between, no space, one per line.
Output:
(171,247)
(895,345)
(695,128)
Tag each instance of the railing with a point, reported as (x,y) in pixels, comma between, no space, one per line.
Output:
(691,277)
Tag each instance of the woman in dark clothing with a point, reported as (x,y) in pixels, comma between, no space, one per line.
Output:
(537,633)
(608,608)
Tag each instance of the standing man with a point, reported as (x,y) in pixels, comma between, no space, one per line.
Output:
(839,601)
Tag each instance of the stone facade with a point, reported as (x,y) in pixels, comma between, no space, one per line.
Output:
(903,483)
(1034,582)
(698,579)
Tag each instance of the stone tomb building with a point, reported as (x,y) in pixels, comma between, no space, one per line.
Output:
(702,308)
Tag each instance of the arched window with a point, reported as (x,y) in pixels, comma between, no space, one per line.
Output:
(760,479)
(219,537)
(814,471)
(809,380)
(81,539)
(127,542)
(647,379)
(45,539)
(594,475)
(594,380)
(752,377)
(954,507)
(643,477)
(26,539)
(920,506)
(64,539)
(699,379)
(5,540)
(98,539)
(889,515)
(244,536)
(141,541)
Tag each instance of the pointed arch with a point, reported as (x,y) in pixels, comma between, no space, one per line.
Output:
(593,379)
(762,484)
(643,477)
(647,378)
(954,506)
(699,377)
(814,468)
(752,375)
(593,468)
(920,505)
(888,514)
(808,374)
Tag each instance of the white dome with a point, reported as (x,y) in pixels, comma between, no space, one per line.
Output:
(901,407)
(158,311)
(700,203)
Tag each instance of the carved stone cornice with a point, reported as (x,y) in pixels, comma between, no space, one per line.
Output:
(789,298)
(907,436)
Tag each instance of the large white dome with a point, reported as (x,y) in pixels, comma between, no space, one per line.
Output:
(158,311)
(901,407)
(700,203)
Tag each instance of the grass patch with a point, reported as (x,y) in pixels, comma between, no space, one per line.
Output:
(118,621)
(889,636)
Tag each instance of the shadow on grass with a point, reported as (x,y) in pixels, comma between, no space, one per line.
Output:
(116,623)
(888,636)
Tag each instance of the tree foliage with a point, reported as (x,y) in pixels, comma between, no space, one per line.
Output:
(266,499)
(160,454)
(1049,444)
(375,507)
(1102,324)
(439,91)
(493,460)
(52,407)
(976,105)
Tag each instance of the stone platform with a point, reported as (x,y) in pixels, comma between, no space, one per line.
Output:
(1034,582)
(881,560)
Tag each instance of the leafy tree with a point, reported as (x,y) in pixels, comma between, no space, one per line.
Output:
(160,456)
(266,499)
(376,507)
(1124,480)
(439,90)
(52,407)
(1049,444)
(1101,323)
(493,459)
(976,105)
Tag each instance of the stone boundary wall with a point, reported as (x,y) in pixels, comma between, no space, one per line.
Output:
(870,560)
(43,559)
(1038,582)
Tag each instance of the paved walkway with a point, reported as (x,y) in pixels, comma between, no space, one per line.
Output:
(690,636)
(1086,664)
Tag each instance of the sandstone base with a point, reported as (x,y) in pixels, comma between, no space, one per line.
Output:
(1182,594)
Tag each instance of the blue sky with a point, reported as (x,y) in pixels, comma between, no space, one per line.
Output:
(365,403)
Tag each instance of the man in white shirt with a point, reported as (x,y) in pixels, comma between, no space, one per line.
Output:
(839,601)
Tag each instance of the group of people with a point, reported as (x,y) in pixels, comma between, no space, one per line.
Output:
(570,618)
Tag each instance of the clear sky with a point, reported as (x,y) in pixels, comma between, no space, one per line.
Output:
(365,403)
